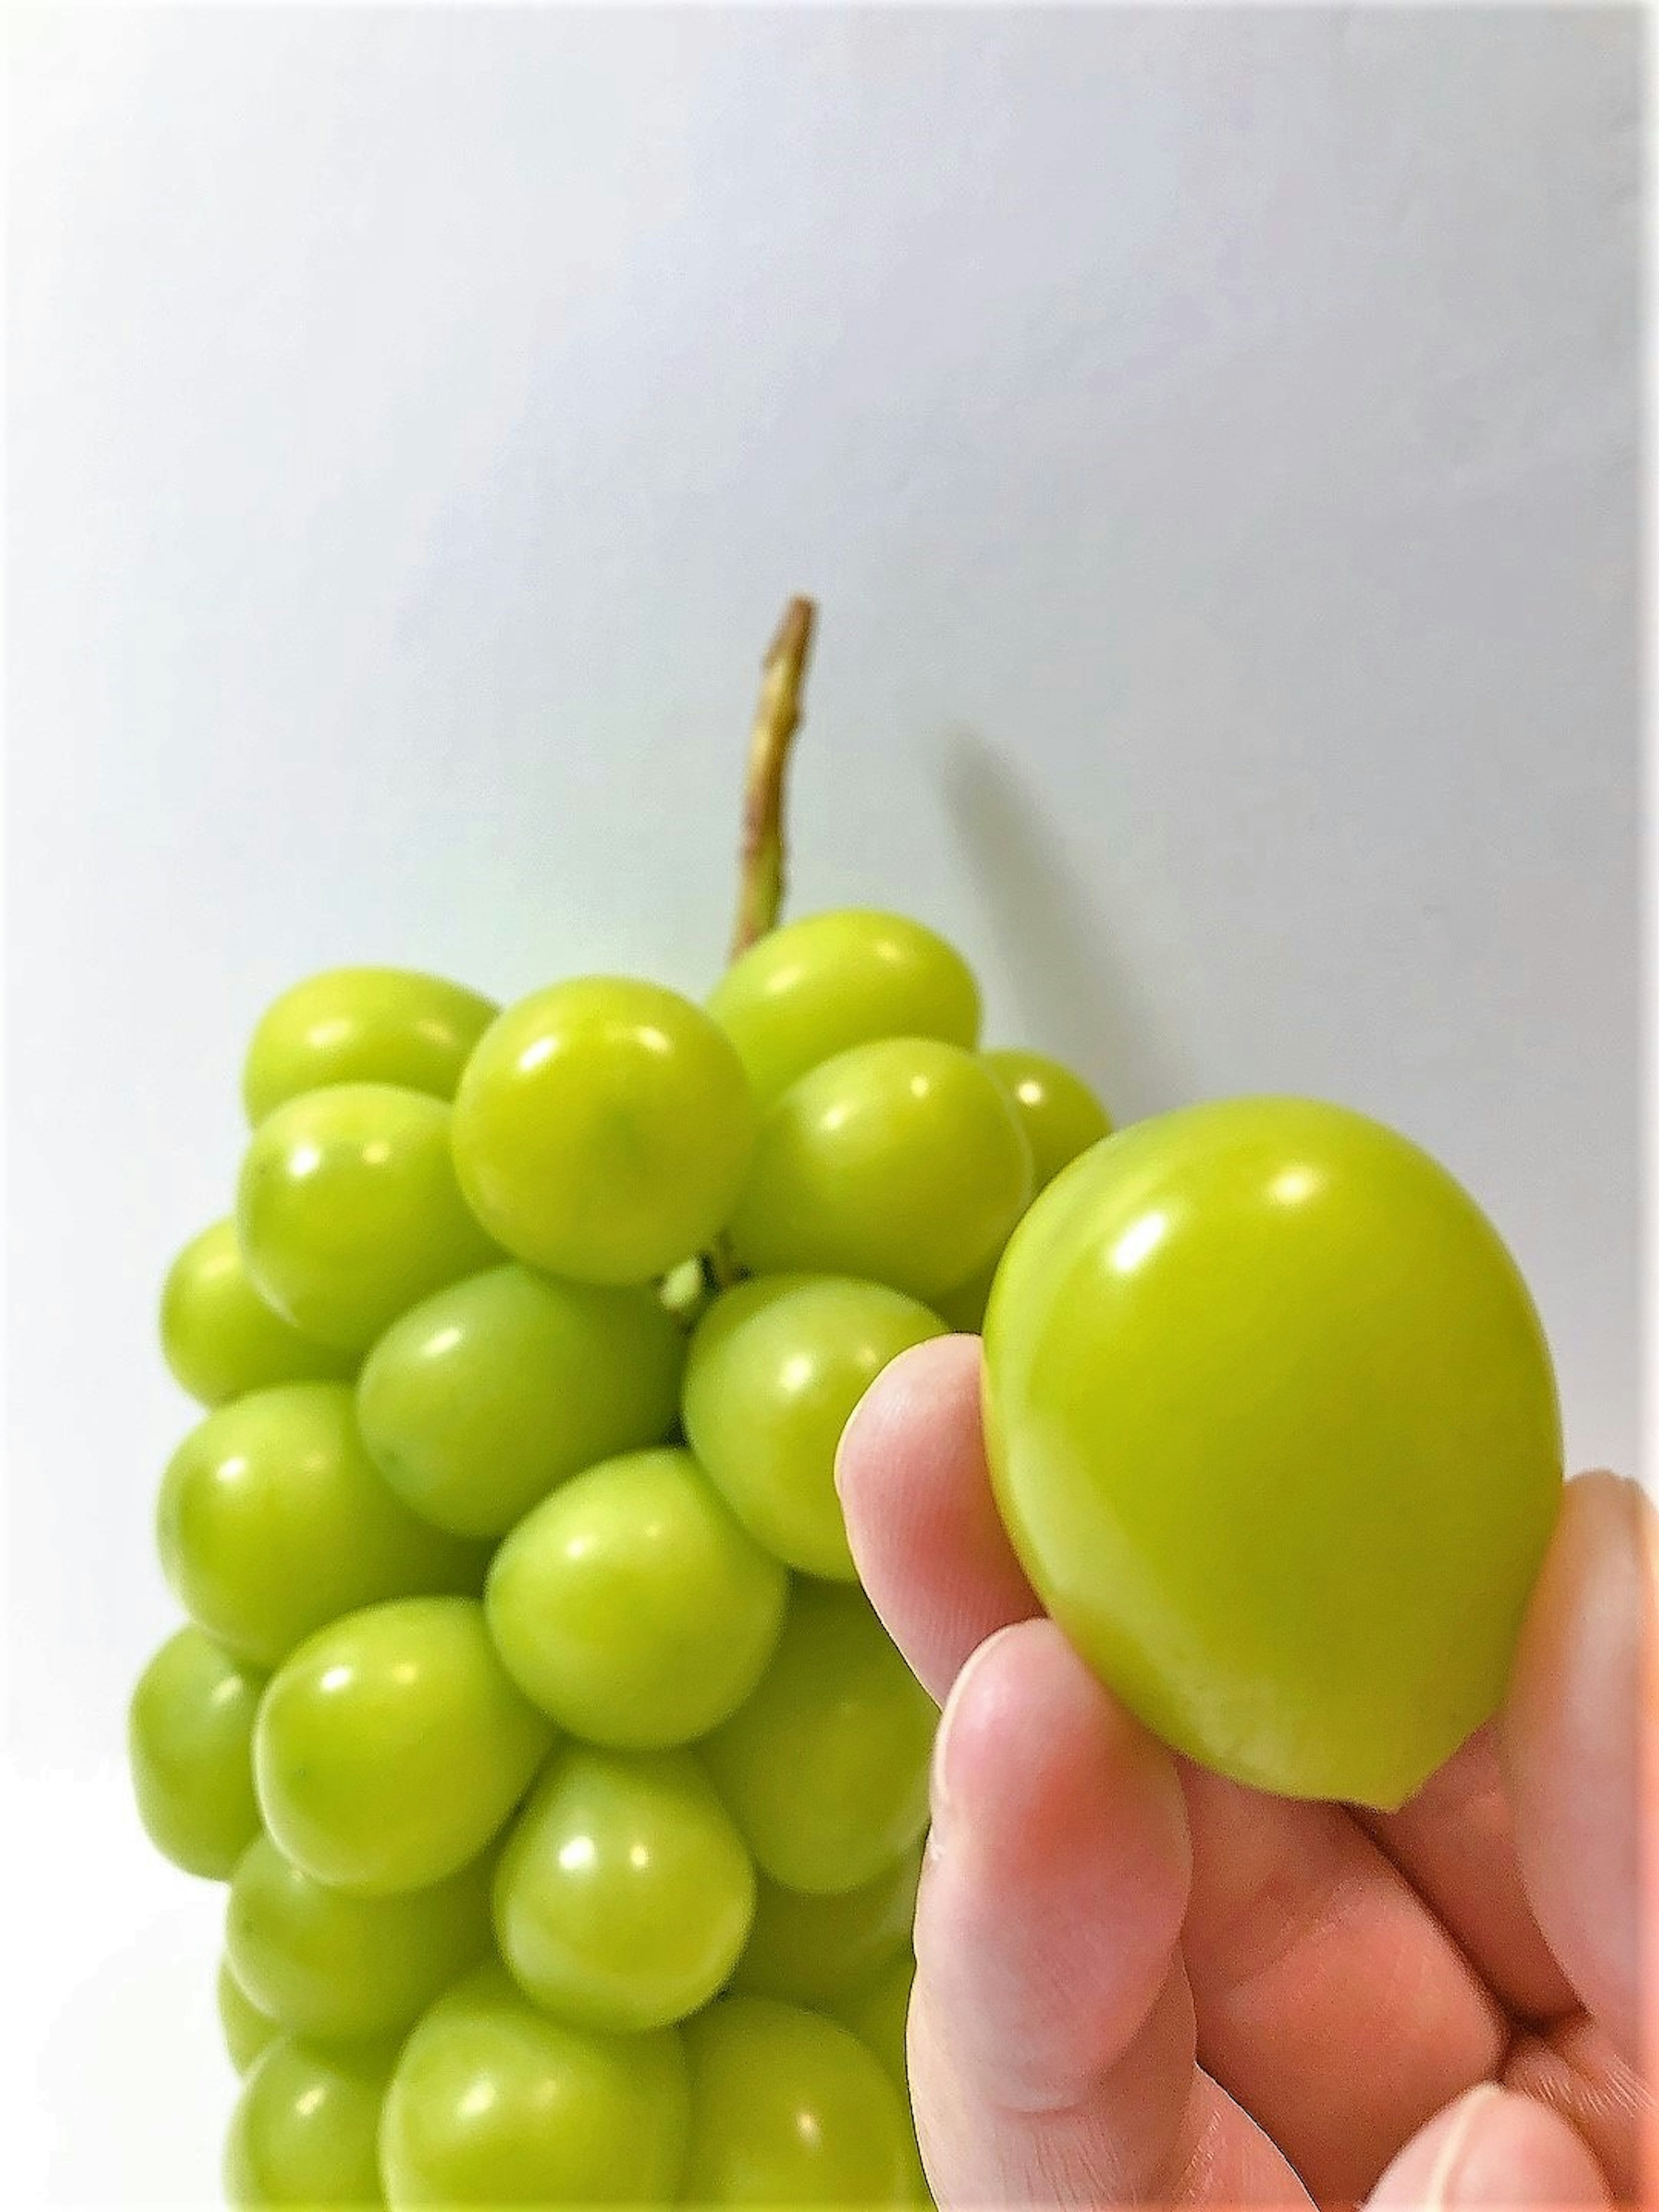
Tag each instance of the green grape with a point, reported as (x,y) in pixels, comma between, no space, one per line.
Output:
(825,1768)
(495,2104)
(602,1129)
(625,1893)
(789,2108)
(813,1950)
(685,1292)
(273,1520)
(829,982)
(305,2125)
(486,1395)
(879,2013)
(1272,1425)
(362,1026)
(632,1606)
(220,1338)
(904,1162)
(248,2030)
(962,1310)
(777,1366)
(347,1210)
(326,1964)
(391,1748)
(1061,1115)
(189,1729)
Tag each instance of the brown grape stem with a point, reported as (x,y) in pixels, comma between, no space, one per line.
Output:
(777,717)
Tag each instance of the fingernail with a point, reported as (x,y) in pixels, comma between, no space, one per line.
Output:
(944,1790)
(1462,2123)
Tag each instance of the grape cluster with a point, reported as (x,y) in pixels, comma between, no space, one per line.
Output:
(570,1793)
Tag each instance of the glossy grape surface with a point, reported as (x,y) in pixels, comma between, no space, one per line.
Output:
(1061,1115)
(390,1750)
(825,1768)
(348,1211)
(247,2029)
(189,1729)
(821,985)
(304,2128)
(362,1026)
(625,1893)
(273,1520)
(486,1395)
(220,1338)
(878,2014)
(902,1162)
(789,2108)
(602,1129)
(776,1365)
(1272,1425)
(816,1950)
(632,1606)
(328,1966)
(494,2104)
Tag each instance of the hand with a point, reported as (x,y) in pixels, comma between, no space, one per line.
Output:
(1137,1982)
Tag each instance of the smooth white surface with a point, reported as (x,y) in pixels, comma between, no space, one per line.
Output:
(1210,437)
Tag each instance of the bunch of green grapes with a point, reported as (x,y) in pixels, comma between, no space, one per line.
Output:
(570,1793)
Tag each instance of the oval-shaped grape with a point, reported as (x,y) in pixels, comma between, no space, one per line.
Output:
(362,1026)
(1271,1422)
(602,1129)
(825,1768)
(306,2127)
(777,1366)
(813,1951)
(625,1893)
(247,2031)
(487,1396)
(348,1211)
(790,2108)
(189,1729)
(631,1606)
(1061,1115)
(495,2104)
(220,1339)
(390,1750)
(904,1162)
(331,1966)
(829,982)
(273,1520)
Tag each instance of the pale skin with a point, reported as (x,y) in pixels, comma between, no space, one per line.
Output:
(1138,1983)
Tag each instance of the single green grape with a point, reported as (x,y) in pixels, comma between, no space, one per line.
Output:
(1061,1115)
(813,1951)
(494,2104)
(825,1768)
(903,1162)
(631,1606)
(602,1129)
(331,1966)
(247,2029)
(273,1520)
(348,1211)
(685,1292)
(821,985)
(1272,1425)
(879,2013)
(391,1748)
(220,1338)
(189,1727)
(777,1366)
(488,1394)
(625,1894)
(789,2108)
(306,2127)
(362,1026)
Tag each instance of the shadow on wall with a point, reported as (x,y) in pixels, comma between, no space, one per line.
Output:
(1077,998)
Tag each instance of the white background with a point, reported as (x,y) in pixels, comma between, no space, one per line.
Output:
(1211,439)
